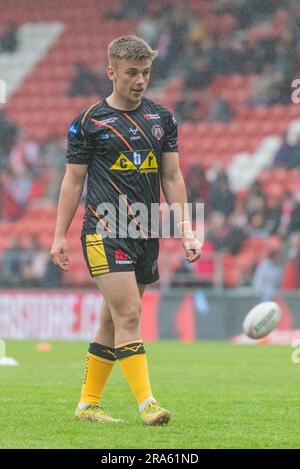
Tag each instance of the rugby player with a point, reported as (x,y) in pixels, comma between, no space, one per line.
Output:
(127,146)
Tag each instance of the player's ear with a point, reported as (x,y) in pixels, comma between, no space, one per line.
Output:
(110,72)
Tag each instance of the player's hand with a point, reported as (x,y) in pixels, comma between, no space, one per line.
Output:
(60,253)
(192,247)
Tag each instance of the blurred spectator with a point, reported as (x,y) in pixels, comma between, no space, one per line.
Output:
(224,57)
(294,225)
(35,265)
(222,199)
(283,155)
(238,215)
(52,188)
(257,226)
(285,60)
(198,187)
(294,157)
(291,279)
(148,29)
(186,109)
(219,110)
(286,213)
(17,185)
(256,200)
(296,183)
(12,260)
(198,76)
(25,152)
(128,9)
(273,214)
(9,42)
(179,21)
(224,236)
(8,131)
(237,234)
(198,32)
(191,55)
(267,276)
(264,90)
(83,82)
(163,62)
(54,151)
(103,86)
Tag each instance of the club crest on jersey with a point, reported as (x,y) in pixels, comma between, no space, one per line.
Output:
(143,161)
(157,131)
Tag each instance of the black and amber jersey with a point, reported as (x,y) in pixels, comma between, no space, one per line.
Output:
(123,152)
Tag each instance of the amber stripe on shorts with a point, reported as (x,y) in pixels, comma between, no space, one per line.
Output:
(96,254)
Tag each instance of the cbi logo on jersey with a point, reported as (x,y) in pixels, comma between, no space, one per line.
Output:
(143,161)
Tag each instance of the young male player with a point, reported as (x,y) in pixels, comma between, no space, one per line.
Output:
(127,145)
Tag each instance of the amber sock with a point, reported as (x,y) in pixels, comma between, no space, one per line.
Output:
(99,363)
(133,362)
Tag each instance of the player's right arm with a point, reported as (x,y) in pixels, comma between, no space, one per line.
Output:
(79,153)
(69,198)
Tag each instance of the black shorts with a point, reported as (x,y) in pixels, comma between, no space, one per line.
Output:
(104,255)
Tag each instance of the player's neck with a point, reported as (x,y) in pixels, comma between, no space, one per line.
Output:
(121,104)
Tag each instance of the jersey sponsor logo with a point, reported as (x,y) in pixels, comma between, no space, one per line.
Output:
(121,257)
(134,132)
(111,120)
(136,137)
(150,117)
(73,130)
(143,161)
(157,131)
(123,163)
(106,134)
(174,120)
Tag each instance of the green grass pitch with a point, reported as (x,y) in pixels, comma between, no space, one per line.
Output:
(220,396)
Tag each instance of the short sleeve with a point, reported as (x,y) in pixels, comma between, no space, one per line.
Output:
(171,135)
(79,144)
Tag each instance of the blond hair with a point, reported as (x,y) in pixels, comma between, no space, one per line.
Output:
(130,48)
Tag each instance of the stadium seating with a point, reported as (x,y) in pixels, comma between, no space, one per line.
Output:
(41,105)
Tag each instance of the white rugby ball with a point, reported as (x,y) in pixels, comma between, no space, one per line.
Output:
(262,319)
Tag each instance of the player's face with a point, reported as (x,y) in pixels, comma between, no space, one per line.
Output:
(131,79)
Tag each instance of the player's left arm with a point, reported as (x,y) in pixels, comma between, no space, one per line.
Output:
(173,187)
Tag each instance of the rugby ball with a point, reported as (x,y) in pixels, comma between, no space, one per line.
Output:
(262,319)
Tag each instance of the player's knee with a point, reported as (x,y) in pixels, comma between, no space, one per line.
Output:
(107,324)
(129,318)
(131,322)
